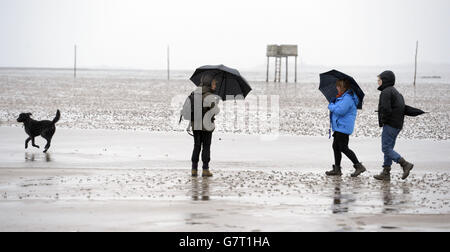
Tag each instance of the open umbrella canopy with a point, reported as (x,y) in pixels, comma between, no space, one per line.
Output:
(328,85)
(232,83)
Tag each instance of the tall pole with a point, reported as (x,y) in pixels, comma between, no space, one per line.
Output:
(75,63)
(276,69)
(168,63)
(415,69)
(295,69)
(287,67)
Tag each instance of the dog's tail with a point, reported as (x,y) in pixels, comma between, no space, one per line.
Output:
(57,117)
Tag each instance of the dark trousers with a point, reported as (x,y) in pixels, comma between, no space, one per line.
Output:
(202,139)
(340,145)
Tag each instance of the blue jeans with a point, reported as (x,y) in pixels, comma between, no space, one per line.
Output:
(388,139)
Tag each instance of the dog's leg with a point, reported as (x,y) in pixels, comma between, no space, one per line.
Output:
(32,143)
(26,142)
(48,135)
(47,146)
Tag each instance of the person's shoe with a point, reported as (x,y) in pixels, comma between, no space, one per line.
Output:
(194,171)
(385,175)
(407,167)
(207,173)
(335,172)
(359,170)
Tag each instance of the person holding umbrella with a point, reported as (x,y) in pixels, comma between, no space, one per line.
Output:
(215,82)
(343,115)
(391,116)
(345,97)
(202,130)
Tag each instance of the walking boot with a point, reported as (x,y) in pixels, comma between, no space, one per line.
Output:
(194,171)
(385,175)
(359,169)
(407,167)
(207,173)
(335,172)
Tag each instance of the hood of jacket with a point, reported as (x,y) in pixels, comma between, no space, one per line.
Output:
(352,95)
(388,78)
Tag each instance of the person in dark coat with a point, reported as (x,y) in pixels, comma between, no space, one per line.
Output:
(391,116)
(343,111)
(204,127)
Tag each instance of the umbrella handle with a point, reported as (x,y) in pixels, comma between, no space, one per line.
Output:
(329,129)
(188,129)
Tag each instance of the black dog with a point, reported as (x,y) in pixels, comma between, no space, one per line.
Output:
(34,128)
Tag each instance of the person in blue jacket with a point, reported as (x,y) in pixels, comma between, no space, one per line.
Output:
(343,111)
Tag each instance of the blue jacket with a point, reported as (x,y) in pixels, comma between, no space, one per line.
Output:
(343,113)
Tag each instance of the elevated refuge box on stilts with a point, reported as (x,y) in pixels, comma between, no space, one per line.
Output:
(278,52)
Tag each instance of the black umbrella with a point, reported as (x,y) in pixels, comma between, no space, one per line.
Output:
(410,111)
(328,85)
(232,84)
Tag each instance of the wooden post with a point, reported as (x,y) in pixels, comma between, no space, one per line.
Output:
(287,67)
(279,68)
(267,71)
(276,67)
(75,63)
(415,69)
(280,64)
(295,69)
(168,63)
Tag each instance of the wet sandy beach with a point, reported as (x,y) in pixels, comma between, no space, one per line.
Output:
(119,103)
(115,79)
(118,163)
(95,180)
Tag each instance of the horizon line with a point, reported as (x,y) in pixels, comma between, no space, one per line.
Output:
(255,68)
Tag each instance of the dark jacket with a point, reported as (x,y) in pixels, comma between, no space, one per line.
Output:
(206,91)
(391,108)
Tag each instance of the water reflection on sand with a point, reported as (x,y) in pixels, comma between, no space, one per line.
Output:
(32,157)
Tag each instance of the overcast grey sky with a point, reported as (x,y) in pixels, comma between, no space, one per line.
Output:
(135,33)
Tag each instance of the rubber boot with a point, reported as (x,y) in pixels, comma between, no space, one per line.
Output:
(359,169)
(335,172)
(194,171)
(407,167)
(206,173)
(385,175)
